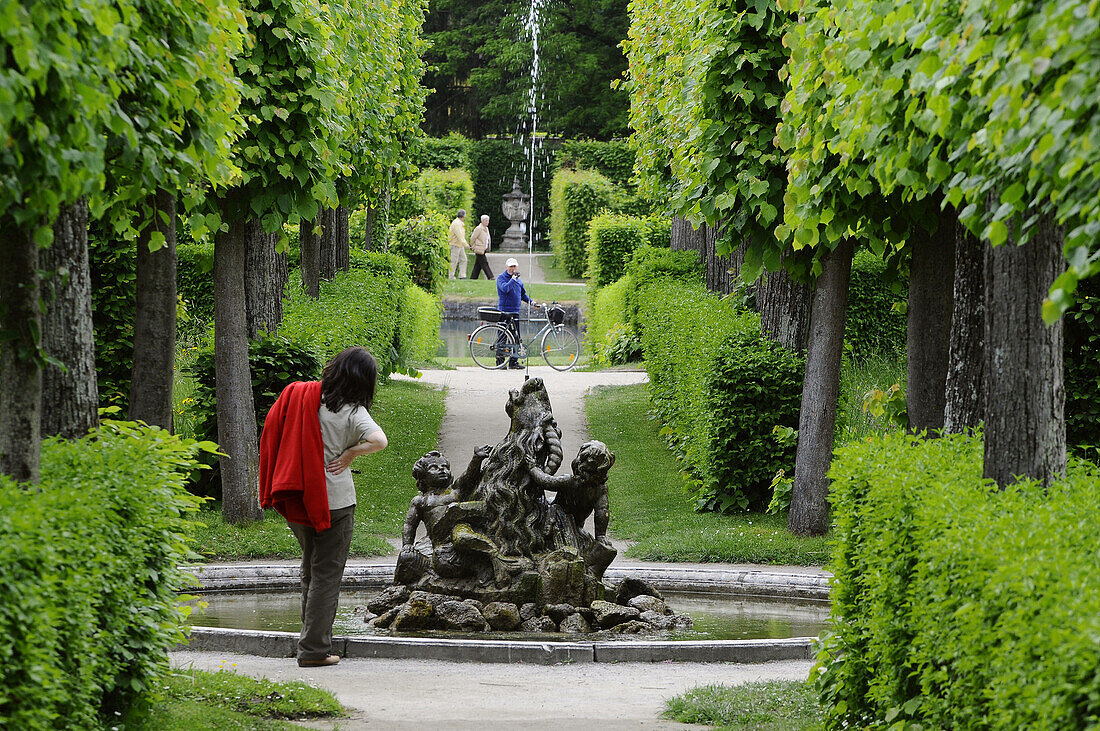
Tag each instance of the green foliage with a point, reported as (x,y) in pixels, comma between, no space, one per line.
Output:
(1082,368)
(705,89)
(649,265)
(382,264)
(776,705)
(423,241)
(957,605)
(875,321)
(576,198)
(446,191)
(481,57)
(195,279)
(494,164)
(720,388)
(606,314)
(113,266)
(441,153)
(89,573)
(418,329)
(613,160)
(274,361)
(612,238)
(877,372)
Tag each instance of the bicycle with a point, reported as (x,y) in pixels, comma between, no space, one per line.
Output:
(493,344)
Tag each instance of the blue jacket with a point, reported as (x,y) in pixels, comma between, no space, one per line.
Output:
(510,292)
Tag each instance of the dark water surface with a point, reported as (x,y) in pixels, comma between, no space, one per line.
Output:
(717,617)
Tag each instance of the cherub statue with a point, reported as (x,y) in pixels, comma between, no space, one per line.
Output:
(584,492)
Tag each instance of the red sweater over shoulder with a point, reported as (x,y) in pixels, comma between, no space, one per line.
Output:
(292,457)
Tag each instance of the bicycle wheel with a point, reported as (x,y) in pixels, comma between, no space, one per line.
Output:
(490,346)
(560,348)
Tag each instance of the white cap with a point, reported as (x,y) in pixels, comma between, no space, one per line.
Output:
(511,263)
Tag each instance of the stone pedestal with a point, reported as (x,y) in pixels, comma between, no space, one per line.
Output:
(515,207)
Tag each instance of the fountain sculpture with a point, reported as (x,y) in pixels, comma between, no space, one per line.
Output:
(515,207)
(499,555)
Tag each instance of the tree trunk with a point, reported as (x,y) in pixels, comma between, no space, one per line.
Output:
(20,377)
(155,319)
(327,216)
(343,239)
(928,338)
(311,258)
(686,237)
(236,411)
(70,395)
(809,513)
(784,306)
(1025,429)
(263,284)
(723,272)
(964,405)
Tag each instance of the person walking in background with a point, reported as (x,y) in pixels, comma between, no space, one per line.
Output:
(310,437)
(479,244)
(456,238)
(510,296)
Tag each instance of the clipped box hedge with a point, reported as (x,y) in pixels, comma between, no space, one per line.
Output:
(720,388)
(614,237)
(89,572)
(873,325)
(957,605)
(576,197)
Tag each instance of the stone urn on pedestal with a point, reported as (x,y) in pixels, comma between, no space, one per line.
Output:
(515,207)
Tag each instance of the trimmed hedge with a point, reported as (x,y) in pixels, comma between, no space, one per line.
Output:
(440,153)
(612,240)
(872,324)
(606,318)
(446,191)
(651,264)
(576,197)
(956,605)
(613,160)
(720,388)
(423,241)
(195,279)
(418,326)
(89,575)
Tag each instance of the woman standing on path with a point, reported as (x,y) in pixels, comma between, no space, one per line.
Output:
(310,437)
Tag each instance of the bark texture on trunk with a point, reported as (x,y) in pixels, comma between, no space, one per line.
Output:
(721,274)
(343,239)
(263,284)
(809,513)
(327,216)
(236,411)
(155,319)
(784,306)
(311,258)
(1025,429)
(70,396)
(928,336)
(20,377)
(964,407)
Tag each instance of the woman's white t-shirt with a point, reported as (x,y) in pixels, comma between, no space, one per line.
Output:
(349,426)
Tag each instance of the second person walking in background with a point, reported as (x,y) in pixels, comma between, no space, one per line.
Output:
(456,238)
(479,244)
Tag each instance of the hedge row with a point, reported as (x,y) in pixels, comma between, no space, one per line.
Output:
(89,574)
(720,388)
(875,322)
(494,164)
(435,191)
(613,238)
(956,605)
(422,240)
(576,197)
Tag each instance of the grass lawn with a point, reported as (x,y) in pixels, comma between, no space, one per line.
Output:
(195,700)
(554,272)
(410,414)
(649,505)
(486,290)
(780,705)
(856,379)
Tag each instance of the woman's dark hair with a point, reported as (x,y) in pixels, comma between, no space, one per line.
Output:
(349,378)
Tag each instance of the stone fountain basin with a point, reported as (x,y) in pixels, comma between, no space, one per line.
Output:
(715,584)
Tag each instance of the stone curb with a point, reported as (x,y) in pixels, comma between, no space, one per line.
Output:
(284,644)
(745,582)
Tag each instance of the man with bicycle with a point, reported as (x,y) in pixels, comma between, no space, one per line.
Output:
(510,296)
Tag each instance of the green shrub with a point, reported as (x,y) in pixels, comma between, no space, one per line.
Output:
(606,313)
(1082,370)
(873,325)
(195,280)
(381,264)
(274,361)
(720,388)
(613,160)
(407,200)
(89,574)
(494,164)
(423,241)
(651,264)
(441,153)
(957,605)
(612,239)
(418,329)
(576,198)
(113,266)
(356,307)
(446,191)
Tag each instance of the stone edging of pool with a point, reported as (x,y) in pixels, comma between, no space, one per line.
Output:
(741,582)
